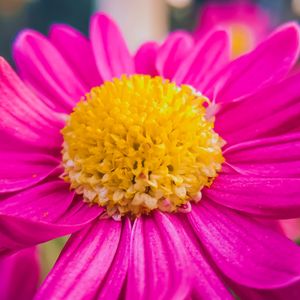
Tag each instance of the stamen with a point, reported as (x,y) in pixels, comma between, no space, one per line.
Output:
(139,143)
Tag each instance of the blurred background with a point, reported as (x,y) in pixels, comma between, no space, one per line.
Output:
(139,19)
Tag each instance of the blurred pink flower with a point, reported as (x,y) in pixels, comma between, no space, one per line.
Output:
(225,243)
(19,275)
(246,23)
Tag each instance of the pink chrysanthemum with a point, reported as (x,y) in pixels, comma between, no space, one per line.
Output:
(168,193)
(246,23)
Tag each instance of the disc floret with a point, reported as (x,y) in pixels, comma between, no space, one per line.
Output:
(141,143)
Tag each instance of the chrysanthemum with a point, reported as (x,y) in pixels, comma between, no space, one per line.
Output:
(169,166)
(246,23)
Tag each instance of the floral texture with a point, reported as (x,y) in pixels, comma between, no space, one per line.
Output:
(20,275)
(225,241)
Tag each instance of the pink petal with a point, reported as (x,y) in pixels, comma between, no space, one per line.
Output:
(41,213)
(207,284)
(269,157)
(257,69)
(158,264)
(261,196)
(23,115)
(22,170)
(65,38)
(86,261)
(145,59)
(111,53)
(172,53)
(206,58)
(247,252)
(111,287)
(44,68)
(279,294)
(19,275)
(246,14)
(278,113)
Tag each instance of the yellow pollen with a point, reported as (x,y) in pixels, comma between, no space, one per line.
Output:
(141,143)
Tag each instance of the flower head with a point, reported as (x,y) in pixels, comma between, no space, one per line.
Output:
(118,149)
(138,143)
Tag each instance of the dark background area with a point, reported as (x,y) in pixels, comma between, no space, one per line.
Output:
(40,14)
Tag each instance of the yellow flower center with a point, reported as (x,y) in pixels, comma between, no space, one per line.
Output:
(140,143)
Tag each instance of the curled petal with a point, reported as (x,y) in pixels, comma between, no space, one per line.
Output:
(245,250)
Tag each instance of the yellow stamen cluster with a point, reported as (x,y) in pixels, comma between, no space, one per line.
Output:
(140,143)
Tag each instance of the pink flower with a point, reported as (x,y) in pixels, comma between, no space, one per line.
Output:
(247,23)
(19,275)
(221,240)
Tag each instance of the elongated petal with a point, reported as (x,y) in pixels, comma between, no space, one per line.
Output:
(111,53)
(19,275)
(206,283)
(113,284)
(43,67)
(41,213)
(23,115)
(270,157)
(82,61)
(172,53)
(278,113)
(268,197)
(145,59)
(22,170)
(246,251)
(86,261)
(158,265)
(207,57)
(257,69)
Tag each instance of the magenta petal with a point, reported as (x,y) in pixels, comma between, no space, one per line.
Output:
(110,50)
(45,202)
(268,197)
(278,113)
(23,115)
(257,69)
(41,213)
(289,292)
(22,170)
(172,53)
(145,59)
(86,262)
(158,264)
(44,68)
(113,283)
(207,284)
(82,61)
(246,251)
(206,58)
(19,275)
(269,157)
